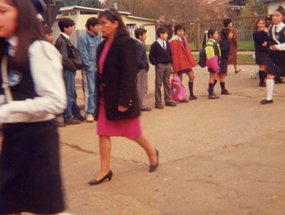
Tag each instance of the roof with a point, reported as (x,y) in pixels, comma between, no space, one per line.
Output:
(90,9)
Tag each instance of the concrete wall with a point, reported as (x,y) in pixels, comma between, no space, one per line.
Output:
(274,5)
(132,23)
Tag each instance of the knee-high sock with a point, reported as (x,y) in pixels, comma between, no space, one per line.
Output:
(190,85)
(222,85)
(262,76)
(211,88)
(270,88)
(215,81)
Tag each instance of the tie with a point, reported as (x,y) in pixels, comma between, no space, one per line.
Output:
(163,45)
(6,48)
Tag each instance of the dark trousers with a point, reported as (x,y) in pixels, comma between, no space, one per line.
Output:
(162,76)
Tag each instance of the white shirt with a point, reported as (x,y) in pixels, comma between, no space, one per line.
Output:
(64,34)
(138,40)
(161,42)
(279,27)
(46,71)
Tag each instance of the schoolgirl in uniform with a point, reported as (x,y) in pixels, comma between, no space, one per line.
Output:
(213,55)
(260,38)
(276,57)
(33,92)
(225,44)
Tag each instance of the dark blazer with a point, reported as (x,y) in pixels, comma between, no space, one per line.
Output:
(259,38)
(225,46)
(142,60)
(158,55)
(64,46)
(119,79)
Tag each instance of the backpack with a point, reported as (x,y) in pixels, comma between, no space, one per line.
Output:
(177,91)
(202,57)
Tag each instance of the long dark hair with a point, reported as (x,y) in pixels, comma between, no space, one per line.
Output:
(224,34)
(28,30)
(255,29)
(210,32)
(113,15)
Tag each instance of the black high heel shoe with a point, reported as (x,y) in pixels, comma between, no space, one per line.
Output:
(107,176)
(152,168)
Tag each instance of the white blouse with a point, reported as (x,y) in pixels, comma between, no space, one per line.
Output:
(46,71)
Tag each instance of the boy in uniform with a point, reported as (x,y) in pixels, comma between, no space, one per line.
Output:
(143,67)
(160,56)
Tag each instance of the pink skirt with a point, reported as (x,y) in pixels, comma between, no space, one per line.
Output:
(130,128)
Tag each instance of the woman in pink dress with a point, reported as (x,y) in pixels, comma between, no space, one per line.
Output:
(118,110)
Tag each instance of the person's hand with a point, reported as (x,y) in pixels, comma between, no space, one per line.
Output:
(4,113)
(174,74)
(122,109)
(273,47)
(264,44)
(265,30)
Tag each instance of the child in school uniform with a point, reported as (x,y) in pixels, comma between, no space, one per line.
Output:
(182,58)
(225,44)
(142,69)
(276,57)
(160,56)
(213,55)
(32,93)
(260,37)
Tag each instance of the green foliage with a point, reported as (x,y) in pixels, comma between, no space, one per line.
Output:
(254,8)
(86,3)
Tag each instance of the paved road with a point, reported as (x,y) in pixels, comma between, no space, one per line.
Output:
(221,156)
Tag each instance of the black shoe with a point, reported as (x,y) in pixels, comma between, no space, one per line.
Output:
(237,71)
(160,106)
(278,80)
(213,97)
(171,104)
(108,176)
(225,92)
(146,109)
(72,121)
(153,167)
(60,124)
(265,101)
(184,100)
(262,84)
(193,97)
(80,118)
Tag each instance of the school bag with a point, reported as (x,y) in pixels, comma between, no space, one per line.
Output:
(202,57)
(177,91)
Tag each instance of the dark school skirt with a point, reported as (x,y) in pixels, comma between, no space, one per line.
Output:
(184,71)
(224,66)
(261,58)
(29,169)
(210,70)
(275,67)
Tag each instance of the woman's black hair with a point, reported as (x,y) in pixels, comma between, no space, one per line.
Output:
(207,35)
(224,34)
(178,27)
(27,32)
(113,15)
(226,22)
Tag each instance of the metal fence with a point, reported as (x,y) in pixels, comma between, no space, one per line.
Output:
(195,30)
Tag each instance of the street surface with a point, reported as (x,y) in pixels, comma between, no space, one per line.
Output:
(217,157)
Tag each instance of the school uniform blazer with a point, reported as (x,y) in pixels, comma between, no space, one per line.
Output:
(119,79)
(182,57)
